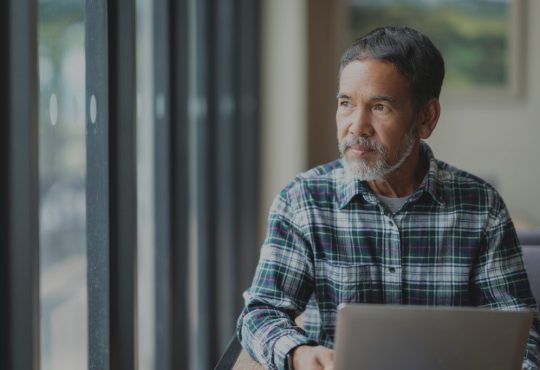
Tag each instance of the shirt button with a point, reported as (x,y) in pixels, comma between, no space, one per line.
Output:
(392,269)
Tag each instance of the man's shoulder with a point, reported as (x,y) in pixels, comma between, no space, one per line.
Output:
(459,184)
(317,182)
(322,173)
(453,175)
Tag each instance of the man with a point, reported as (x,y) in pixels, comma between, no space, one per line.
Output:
(388,223)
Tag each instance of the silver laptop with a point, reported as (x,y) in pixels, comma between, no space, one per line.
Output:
(388,337)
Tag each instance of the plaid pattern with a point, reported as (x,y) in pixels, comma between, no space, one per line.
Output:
(330,240)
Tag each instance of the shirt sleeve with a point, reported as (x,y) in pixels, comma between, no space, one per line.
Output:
(281,288)
(500,279)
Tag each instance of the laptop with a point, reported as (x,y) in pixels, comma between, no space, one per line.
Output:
(388,337)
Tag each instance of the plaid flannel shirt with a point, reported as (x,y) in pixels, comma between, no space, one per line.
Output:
(330,240)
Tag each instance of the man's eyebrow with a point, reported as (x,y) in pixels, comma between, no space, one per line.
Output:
(387,98)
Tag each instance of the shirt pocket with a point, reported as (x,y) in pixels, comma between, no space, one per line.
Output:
(350,283)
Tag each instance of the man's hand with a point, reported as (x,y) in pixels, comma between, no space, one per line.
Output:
(312,358)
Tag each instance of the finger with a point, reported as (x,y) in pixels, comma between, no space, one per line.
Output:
(326,359)
(328,365)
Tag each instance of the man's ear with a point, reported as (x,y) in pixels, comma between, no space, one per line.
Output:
(428,117)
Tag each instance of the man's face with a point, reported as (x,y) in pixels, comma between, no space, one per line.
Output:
(375,119)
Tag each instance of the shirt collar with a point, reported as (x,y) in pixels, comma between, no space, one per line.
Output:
(348,188)
(433,181)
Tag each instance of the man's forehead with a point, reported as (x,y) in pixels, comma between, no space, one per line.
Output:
(373,78)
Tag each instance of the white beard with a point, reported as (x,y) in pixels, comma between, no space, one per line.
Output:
(361,170)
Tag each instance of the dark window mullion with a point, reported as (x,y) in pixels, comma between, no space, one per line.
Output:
(227,195)
(200,177)
(180,340)
(111,184)
(123,181)
(20,228)
(97,191)
(247,66)
(4,188)
(165,345)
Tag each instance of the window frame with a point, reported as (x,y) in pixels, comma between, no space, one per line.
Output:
(19,177)
(111,185)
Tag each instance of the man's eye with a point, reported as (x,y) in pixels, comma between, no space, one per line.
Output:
(343,103)
(380,107)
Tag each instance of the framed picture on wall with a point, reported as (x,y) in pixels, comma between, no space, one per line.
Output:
(482,41)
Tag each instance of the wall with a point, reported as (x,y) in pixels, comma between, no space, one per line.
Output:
(325,46)
(284,100)
(499,138)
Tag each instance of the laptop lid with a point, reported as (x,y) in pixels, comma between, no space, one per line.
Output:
(388,337)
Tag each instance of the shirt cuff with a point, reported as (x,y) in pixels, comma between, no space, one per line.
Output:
(285,344)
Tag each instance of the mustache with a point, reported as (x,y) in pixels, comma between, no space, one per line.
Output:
(362,142)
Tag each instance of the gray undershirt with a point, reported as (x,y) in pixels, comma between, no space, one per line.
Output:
(392,204)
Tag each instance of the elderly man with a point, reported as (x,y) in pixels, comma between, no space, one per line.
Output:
(387,223)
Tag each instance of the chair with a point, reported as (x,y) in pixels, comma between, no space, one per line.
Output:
(529,236)
(530,242)
(235,358)
(531,259)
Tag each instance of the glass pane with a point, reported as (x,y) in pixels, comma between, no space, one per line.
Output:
(62,177)
(145,186)
(471,34)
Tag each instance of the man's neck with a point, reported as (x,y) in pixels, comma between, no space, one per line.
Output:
(405,180)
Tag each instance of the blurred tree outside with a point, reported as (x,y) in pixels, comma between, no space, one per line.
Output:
(62,149)
(63,302)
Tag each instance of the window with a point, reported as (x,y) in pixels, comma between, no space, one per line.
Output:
(108,198)
(62,180)
(145,183)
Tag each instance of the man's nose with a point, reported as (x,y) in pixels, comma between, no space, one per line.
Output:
(361,123)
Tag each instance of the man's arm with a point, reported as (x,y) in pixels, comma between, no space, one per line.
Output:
(501,281)
(281,288)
